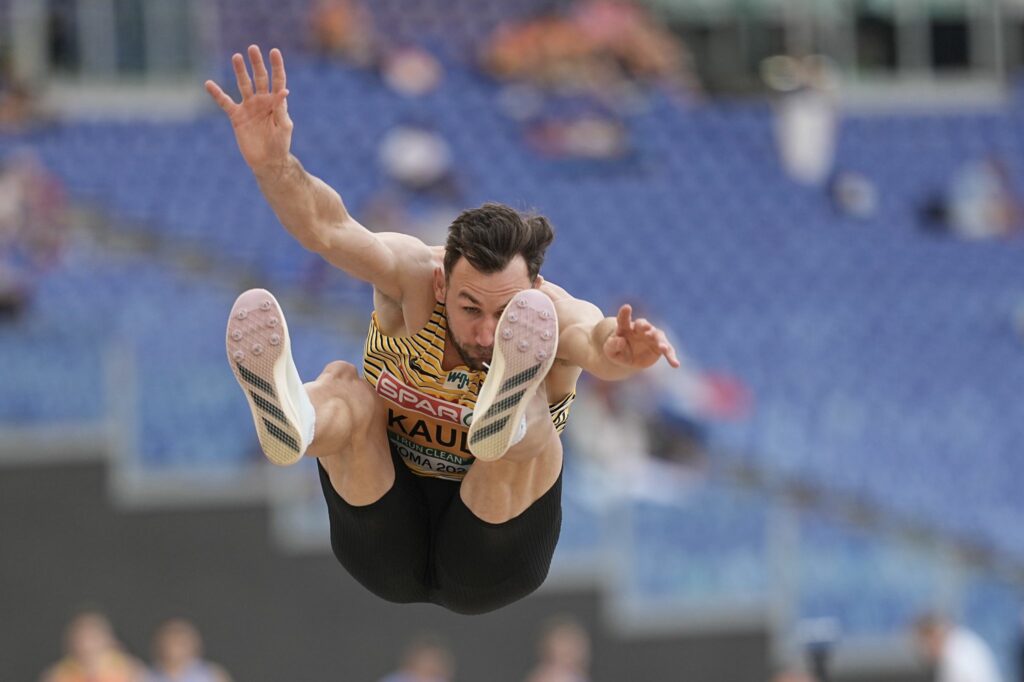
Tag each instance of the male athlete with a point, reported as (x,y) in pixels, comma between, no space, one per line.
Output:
(442,465)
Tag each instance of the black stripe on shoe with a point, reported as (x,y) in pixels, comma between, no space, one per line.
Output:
(256,381)
(520,378)
(277,433)
(268,406)
(489,430)
(504,404)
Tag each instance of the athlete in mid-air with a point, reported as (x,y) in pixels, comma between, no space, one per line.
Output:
(441,465)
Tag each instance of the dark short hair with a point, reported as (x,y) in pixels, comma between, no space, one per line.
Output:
(489,237)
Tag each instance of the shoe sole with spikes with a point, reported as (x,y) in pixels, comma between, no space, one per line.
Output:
(259,352)
(525,341)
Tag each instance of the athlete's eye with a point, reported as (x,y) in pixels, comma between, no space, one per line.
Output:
(471,310)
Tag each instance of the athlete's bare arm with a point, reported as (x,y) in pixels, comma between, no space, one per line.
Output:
(610,348)
(307,207)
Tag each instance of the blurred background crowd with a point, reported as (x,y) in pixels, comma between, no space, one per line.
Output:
(822,200)
(93,653)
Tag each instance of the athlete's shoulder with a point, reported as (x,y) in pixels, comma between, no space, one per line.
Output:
(409,250)
(554,291)
(570,310)
(415,265)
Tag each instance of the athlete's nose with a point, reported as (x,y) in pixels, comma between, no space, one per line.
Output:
(485,333)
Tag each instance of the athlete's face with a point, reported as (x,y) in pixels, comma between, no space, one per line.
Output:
(474,301)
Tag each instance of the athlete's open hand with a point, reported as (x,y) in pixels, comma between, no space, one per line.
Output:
(637,343)
(262,126)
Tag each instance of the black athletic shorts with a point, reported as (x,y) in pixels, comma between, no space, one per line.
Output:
(420,543)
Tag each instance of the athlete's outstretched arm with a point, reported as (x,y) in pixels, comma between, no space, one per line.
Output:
(307,207)
(610,348)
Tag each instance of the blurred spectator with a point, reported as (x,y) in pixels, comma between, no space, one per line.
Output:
(692,392)
(547,51)
(177,656)
(33,227)
(979,204)
(955,653)
(597,46)
(411,71)
(818,638)
(614,431)
(806,117)
(19,104)
(854,195)
(564,653)
(646,50)
(93,654)
(589,136)
(644,439)
(426,660)
(344,29)
(793,674)
(596,58)
(425,193)
(419,160)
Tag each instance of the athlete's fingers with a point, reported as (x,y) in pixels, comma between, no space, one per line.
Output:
(281,117)
(617,346)
(670,354)
(643,326)
(623,323)
(220,97)
(241,76)
(259,70)
(277,70)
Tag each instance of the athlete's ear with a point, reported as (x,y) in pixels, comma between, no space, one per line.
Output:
(439,284)
(538,282)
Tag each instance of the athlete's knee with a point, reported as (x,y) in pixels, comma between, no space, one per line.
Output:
(397,584)
(339,371)
(541,439)
(338,381)
(473,600)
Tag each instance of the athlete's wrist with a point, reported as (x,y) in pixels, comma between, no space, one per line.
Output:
(278,169)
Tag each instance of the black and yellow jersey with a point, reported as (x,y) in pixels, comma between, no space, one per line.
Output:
(429,409)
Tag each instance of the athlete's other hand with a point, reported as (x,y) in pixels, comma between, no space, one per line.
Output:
(262,126)
(637,343)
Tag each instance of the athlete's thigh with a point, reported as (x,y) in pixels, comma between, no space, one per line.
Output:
(384,545)
(481,566)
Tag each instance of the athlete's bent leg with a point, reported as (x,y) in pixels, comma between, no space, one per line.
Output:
(379,519)
(379,531)
(332,417)
(350,437)
(479,565)
(495,542)
(385,545)
(503,489)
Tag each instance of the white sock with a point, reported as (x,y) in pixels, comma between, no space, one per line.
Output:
(300,399)
(308,417)
(520,432)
